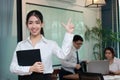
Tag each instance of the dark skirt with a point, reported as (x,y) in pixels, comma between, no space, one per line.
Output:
(35,76)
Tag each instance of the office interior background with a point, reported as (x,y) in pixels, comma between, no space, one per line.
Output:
(13,29)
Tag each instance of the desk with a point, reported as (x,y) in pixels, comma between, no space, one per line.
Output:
(107,77)
(111,77)
(72,76)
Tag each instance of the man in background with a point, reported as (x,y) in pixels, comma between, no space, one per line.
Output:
(71,64)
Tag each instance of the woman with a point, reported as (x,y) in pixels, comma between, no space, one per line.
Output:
(114,63)
(34,23)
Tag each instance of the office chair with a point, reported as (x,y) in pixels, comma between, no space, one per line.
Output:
(83,67)
(90,76)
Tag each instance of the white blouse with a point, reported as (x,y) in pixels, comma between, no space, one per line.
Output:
(115,66)
(47,49)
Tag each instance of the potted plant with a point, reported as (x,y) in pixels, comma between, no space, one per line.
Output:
(101,37)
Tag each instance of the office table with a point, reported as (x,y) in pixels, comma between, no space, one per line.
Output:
(72,76)
(106,77)
(111,77)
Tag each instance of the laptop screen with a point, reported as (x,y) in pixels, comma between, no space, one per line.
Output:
(98,66)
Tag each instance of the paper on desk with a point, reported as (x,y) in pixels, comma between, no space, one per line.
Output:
(113,77)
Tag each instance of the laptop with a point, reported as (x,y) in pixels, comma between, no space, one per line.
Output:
(28,57)
(98,66)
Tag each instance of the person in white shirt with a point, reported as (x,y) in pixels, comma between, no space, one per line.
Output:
(71,64)
(36,40)
(114,63)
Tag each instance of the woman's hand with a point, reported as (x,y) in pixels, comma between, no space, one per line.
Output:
(37,67)
(115,72)
(69,26)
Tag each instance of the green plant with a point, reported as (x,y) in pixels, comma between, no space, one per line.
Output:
(101,37)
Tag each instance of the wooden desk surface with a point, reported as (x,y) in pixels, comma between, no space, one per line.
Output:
(72,76)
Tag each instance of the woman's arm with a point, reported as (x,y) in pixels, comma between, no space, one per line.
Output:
(15,68)
(19,70)
(67,41)
(115,72)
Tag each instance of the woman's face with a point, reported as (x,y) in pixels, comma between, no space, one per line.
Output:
(34,25)
(108,55)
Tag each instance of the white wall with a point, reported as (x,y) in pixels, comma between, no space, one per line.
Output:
(90,14)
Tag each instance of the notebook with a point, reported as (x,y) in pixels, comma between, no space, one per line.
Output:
(98,66)
(28,57)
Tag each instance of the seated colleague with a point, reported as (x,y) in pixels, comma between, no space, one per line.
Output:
(114,63)
(69,64)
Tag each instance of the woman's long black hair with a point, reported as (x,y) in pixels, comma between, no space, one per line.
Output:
(39,15)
